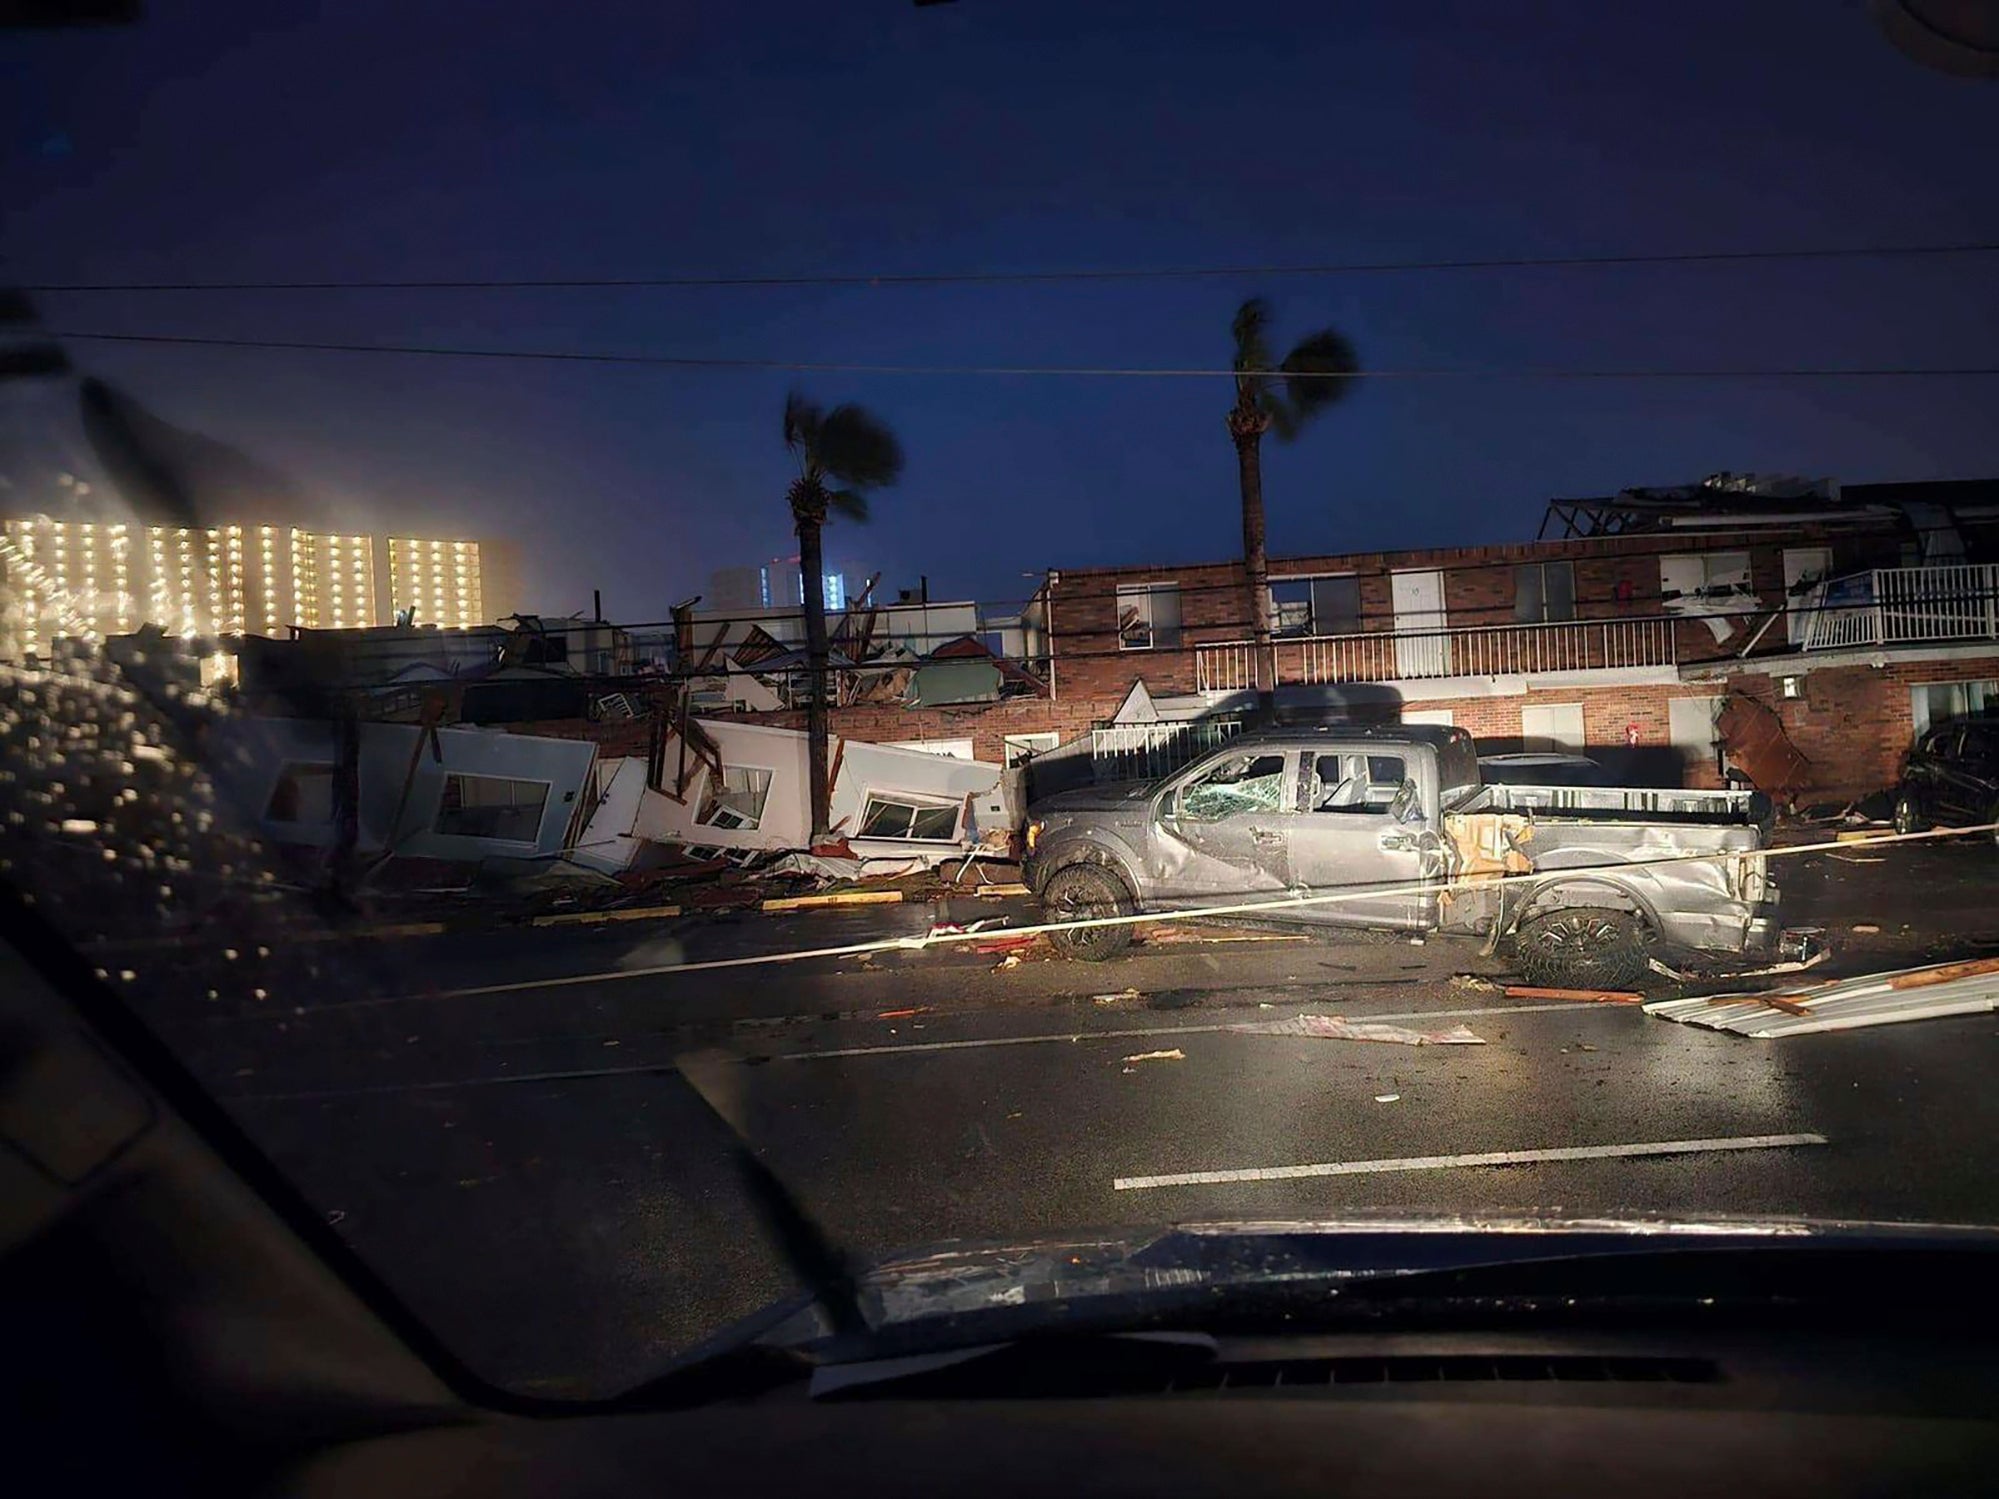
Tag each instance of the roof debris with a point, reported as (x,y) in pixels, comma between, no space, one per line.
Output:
(1335,1028)
(1927,993)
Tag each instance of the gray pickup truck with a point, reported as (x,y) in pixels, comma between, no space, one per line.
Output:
(1391,829)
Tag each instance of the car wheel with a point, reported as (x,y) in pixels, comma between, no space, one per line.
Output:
(1908,813)
(1582,947)
(1084,892)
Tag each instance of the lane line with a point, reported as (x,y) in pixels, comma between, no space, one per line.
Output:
(1456,1162)
(1156,1030)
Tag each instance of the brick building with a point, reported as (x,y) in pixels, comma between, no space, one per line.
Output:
(1858,615)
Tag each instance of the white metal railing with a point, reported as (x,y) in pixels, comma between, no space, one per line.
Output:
(1899,605)
(1141,751)
(1409,655)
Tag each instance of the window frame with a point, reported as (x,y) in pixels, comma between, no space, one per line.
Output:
(1153,629)
(287,768)
(437,820)
(1287,777)
(1546,744)
(769,774)
(916,802)
(1540,572)
(1010,746)
(1314,627)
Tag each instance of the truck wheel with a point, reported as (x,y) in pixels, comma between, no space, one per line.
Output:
(1083,892)
(1908,816)
(1581,947)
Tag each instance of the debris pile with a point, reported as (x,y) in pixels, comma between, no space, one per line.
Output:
(1940,989)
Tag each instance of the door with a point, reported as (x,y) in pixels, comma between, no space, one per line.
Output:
(1804,569)
(1218,836)
(1346,837)
(1421,649)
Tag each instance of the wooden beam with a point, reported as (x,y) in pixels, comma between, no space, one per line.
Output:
(836,898)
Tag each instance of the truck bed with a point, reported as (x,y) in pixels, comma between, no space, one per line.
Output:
(1612,803)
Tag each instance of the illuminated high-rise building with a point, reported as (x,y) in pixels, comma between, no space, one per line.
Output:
(85,580)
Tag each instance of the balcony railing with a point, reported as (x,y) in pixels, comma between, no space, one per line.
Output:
(1902,605)
(1144,751)
(1411,655)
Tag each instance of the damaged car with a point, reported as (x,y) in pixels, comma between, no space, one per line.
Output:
(1951,778)
(1394,829)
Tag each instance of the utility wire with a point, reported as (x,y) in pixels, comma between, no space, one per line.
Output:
(1017,278)
(686,361)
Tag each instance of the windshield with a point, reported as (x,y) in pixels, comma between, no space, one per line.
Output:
(538,547)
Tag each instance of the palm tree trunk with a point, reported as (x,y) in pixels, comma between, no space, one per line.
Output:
(813,586)
(1256,565)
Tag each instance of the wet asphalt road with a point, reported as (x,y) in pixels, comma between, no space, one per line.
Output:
(531,1172)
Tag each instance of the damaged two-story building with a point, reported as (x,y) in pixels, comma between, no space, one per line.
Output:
(1855,615)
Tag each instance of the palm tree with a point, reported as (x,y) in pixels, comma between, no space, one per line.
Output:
(1281,398)
(842,454)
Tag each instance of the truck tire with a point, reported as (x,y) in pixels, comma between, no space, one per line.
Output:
(1581,947)
(1082,892)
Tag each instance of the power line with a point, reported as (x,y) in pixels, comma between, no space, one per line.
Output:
(1001,278)
(703,362)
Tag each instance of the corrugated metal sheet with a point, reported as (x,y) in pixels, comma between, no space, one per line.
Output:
(1932,992)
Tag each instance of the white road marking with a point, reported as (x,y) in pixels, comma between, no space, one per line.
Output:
(1454,1162)
(1156,1030)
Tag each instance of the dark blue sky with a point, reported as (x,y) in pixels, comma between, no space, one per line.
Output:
(264,140)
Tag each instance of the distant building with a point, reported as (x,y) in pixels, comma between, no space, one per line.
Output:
(778,585)
(86,581)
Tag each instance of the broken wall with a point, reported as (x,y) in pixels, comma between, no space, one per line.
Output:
(257,754)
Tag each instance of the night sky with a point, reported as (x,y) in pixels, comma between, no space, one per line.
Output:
(259,140)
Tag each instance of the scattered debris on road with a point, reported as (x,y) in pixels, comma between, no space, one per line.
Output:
(1011,960)
(1388,1098)
(902,1014)
(963,928)
(1335,1028)
(1175,1055)
(1866,928)
(1123,996)
(1474,982)
(836,898)
(1581,996)
(1932,992)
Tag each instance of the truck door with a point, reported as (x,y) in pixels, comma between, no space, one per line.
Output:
(1219,836)
(1360,826)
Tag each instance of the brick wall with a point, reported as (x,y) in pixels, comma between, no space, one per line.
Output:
(1616,577)
(1853,723)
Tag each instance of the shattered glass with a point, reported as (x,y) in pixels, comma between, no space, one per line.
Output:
(1242,783)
